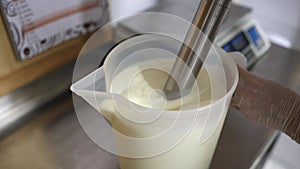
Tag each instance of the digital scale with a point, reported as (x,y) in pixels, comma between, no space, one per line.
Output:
(239,31)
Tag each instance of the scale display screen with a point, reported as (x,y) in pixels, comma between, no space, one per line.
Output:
(228,47)
(238,43)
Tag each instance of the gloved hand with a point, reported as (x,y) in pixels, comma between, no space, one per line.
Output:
(267,102)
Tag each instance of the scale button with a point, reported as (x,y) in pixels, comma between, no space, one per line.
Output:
(249,55)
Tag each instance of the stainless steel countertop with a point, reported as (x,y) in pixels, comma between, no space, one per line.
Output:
(52,137)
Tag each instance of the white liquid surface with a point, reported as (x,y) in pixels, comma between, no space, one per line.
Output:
(143,84)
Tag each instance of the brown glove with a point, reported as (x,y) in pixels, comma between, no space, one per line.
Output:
(268,103)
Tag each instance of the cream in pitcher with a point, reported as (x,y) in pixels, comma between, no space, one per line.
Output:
(151,132)
(142,85)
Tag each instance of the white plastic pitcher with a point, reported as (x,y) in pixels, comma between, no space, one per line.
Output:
(149,138)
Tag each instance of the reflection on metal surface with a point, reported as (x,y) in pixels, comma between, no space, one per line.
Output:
(53,139)
(17,104)
(281,65)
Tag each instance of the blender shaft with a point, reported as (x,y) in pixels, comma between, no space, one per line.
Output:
(197,43)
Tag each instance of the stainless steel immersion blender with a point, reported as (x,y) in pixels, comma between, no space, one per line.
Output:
(196,46)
